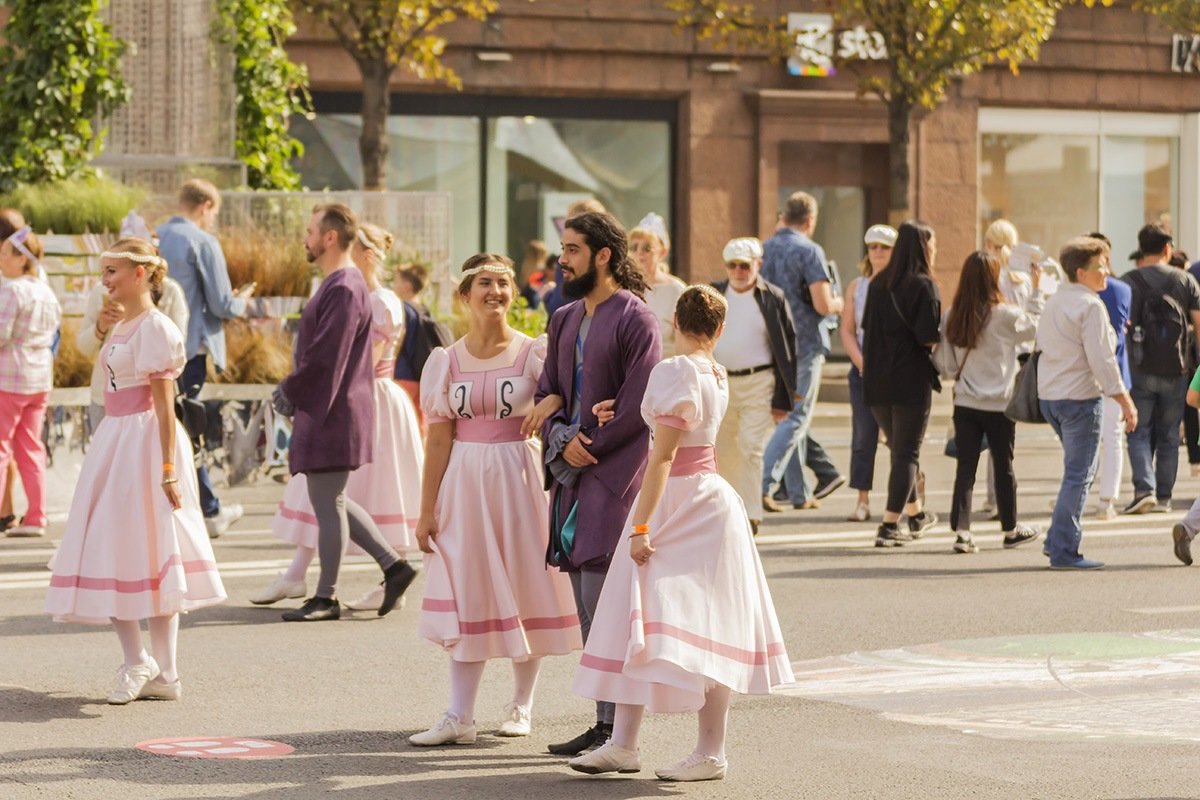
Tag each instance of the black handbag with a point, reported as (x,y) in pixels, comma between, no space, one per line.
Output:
(1024,406)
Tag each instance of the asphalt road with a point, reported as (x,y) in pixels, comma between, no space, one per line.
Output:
(921,674)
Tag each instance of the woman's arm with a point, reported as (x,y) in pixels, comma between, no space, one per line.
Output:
(849,327)
(658,469)
(550,405)
(163,392)
(439,439)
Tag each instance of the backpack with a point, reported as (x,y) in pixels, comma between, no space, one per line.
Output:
(427,334)
(1160,329)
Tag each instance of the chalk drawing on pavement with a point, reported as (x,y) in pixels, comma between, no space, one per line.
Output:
(216,747)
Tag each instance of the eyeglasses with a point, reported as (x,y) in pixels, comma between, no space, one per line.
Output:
(738,265)
(641,247)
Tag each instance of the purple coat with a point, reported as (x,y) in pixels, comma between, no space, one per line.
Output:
(332,385)
(623,344)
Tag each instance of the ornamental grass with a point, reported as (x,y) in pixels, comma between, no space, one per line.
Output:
(73,207)
(277,264)
(253,355)
(72,369)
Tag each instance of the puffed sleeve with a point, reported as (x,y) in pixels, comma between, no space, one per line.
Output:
(158,352)
(435,388)
(387,319)
(537,357)
(673,395)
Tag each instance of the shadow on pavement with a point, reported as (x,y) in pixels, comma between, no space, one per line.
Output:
(364,765)
(18,704)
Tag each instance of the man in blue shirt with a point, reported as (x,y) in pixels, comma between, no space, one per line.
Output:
(796,264)
(195,260)
(1118,299)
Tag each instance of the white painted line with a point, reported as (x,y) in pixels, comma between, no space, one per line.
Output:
(1165,610)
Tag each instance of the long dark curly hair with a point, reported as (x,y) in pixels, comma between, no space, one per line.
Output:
(603,230)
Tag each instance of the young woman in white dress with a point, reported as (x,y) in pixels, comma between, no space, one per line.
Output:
(686,618)
(135,545)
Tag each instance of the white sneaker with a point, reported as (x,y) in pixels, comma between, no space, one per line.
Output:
(229,514)
(158,689)
(517,721)
(280,589)
(1161,507)
(861,513)
(963,543)
(607,758)
(27,531)
(448,730)
(696,767)
(1107,510)
(372,600)
(131,681)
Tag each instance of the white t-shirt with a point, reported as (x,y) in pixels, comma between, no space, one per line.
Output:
(745,343)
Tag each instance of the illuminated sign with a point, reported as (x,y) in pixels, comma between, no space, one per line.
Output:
(817,45)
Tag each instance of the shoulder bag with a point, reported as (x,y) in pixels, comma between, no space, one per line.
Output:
(1024,406)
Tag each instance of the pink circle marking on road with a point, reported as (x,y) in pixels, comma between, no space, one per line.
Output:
(216,747)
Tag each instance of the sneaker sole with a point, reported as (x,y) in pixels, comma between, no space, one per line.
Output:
(1182,545)
(1075,569)
(966,549)
(720,776)
(511,735)
(1142,506)
(833,486)
(598,771)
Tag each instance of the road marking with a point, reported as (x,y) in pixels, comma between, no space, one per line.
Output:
(217,747)
(1165,610)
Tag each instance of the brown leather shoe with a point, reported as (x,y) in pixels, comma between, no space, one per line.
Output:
(807,505)
(770,505)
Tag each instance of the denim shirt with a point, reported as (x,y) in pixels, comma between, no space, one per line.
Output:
(195,260)
(793,262)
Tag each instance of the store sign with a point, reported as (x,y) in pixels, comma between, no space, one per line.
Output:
(1185,53)
(817,45)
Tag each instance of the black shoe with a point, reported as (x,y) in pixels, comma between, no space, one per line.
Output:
(891,537)
(7,522)
(1020,535)
(830,486)
(315,609)
(918,525)
(593,737)
(396,579)
(754,527)
(1142,504)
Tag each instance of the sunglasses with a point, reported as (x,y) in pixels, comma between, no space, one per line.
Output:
(737,265)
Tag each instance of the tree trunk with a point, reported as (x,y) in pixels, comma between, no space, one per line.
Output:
(376,105)
(899,119)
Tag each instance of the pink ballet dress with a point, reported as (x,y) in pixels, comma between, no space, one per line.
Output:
(699,612)
(126,553)
(389,488)
(488,591)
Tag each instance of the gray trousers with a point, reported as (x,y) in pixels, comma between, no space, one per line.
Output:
(587,586)
(1191,522)
(340,520)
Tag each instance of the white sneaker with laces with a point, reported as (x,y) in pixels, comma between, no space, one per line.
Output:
(229,514)
(1107,510)
(607,758)
(517,721)
(448,730)
(280,589)
(696,767)
(158,689)
(131,681)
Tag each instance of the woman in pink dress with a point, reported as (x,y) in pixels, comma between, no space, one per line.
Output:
(135,546)
(687,618)
(484,522)
(389,488)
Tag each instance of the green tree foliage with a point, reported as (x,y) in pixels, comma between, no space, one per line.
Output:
(929,45)
(59,72)
(1183,16)
(269,86)
(382,35)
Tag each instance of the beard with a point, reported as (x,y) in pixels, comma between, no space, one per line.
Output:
(313,255)
(582,286)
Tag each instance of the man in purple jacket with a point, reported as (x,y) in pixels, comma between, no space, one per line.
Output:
(602,346)
(330,397)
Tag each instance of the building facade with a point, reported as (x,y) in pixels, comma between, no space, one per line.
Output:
(610,99)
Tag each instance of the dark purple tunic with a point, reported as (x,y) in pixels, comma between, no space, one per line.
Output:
(623,344)
(333,382)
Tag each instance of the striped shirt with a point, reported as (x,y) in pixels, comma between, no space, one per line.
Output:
(29,318)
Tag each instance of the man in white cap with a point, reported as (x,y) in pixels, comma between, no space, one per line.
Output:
(758,351)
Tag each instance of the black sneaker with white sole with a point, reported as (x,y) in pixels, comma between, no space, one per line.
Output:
(830,486)
(918,525)
(1020,535)
(1142,504)
(892,537)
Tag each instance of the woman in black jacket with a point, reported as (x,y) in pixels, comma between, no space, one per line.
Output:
(900,330)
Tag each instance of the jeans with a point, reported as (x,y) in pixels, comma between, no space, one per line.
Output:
(1154,444)
(191,381)
(904,427)
(864,437)
(787,450)
(970,427)
(1077,423)
(744,432)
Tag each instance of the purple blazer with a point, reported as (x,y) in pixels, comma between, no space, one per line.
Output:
(623,345)
(332,384)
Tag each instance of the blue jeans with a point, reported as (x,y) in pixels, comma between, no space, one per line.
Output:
(787,450)
(1154,444)
(1077,423)
(191,381)
(864,436)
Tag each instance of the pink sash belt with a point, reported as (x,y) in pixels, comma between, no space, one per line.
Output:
(385,368)
(489,431)
(126,402)
(694,460)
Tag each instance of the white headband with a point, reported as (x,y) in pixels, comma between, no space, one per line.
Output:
(365,242)
(499,269)
(137,258)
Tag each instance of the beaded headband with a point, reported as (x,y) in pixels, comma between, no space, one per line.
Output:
(18,241)
(711,292)
(499,269)
(371,248)
(137,258)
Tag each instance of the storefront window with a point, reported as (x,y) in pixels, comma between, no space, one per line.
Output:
(1141,185)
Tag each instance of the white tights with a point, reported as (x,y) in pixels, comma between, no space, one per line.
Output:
(711,721)
(465,677)
(300,564)
(164,640)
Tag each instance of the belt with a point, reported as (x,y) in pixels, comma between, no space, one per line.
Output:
(741,373)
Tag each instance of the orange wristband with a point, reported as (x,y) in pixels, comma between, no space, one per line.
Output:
(641,530)
(168,467)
